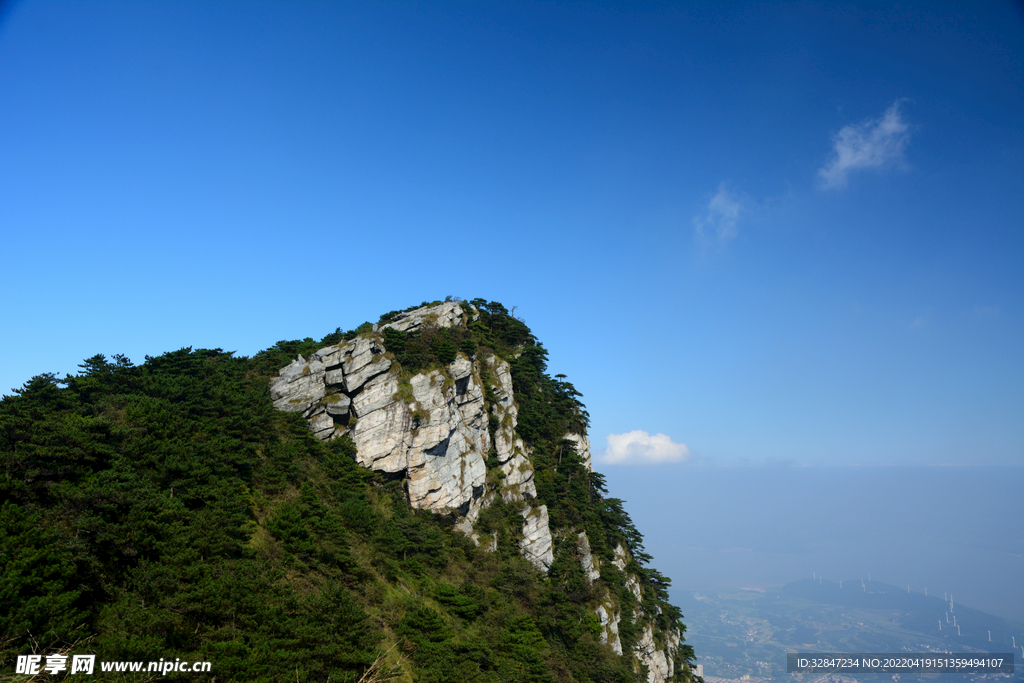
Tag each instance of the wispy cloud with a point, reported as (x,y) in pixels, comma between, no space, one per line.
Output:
(639,448)
(719,223)
(871,144)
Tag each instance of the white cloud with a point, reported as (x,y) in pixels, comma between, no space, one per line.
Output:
(638,448)
(719,223)
(871,144)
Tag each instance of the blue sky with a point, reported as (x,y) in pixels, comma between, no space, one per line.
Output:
(768,233)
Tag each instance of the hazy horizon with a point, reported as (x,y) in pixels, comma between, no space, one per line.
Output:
(950,530)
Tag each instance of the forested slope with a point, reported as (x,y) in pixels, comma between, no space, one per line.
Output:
(169,510)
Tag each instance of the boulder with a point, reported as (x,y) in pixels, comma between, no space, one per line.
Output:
(320,424)
(337,404)
(461,368)
(333,356)
(365,362)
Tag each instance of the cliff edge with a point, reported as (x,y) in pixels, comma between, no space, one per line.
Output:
(447,421)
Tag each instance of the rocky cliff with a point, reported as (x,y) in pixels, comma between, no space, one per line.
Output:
(412,500)
(451,431)
(432,427)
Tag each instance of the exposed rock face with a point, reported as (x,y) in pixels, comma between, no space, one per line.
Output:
(442,315)
(587,559)
(437,428)
(506,442)
(660,663)
(536,543)
(434,428)
(299,385)
(583,448)
(634,586)
(465,524)
(621,557)
(439,439)
(609,617)
(621,560)
(518,484)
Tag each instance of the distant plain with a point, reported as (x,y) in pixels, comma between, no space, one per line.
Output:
(748,633)
(950,530)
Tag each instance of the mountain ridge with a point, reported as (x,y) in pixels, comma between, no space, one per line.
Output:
(228,509)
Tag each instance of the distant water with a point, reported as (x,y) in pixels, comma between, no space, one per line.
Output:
(952,530)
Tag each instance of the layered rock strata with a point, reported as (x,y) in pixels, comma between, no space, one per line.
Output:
(440,315)
(432,427)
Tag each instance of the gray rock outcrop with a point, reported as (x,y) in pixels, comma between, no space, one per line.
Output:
(299,385)
(513,459)
(587,559)
(621,558)
(660,663)
(437,428)
(609,618)
(536,544)
(442,315)
(438,439)
(633,584)
(582,448)
(433,426)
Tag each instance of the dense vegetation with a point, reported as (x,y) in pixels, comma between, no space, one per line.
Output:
(167,509)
